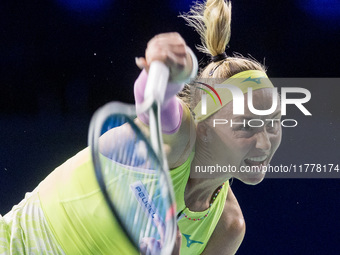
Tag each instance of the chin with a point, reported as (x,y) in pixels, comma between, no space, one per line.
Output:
(253,179)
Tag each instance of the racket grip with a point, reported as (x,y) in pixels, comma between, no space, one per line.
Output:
(158,78)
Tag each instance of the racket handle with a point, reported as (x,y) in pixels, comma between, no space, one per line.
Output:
(158,78)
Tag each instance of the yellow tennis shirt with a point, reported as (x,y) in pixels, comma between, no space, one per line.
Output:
(67,214)
(195,233)
(77,211)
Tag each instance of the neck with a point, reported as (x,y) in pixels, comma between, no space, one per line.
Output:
(199,191)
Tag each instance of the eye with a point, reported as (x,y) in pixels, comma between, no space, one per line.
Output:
(273,126)
(244,128)
(244,131)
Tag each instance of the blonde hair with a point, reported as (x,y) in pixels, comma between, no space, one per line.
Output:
(211,20)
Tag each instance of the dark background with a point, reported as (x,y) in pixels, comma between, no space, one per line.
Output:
(60,60)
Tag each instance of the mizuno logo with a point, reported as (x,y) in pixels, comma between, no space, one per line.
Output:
(256,80)
(190,241)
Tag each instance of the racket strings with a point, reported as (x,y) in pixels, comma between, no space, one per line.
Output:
(126,161)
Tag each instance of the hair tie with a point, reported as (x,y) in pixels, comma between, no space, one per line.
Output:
(219,57)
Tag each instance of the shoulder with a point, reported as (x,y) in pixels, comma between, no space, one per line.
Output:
(232,220)
(230,229)
(179,145)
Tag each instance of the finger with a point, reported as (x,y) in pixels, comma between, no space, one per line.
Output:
(168,44)
(178,49)
(170,49)
(175,62)
(143,248)
(174,36)
(141,62)
(160,42)
(149,245)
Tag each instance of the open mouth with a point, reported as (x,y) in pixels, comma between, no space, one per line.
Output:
(256,161)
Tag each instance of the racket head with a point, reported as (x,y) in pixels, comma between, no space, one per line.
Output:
(132,178)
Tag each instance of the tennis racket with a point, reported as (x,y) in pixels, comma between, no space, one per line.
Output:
(132,170)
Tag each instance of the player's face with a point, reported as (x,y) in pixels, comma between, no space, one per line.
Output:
(251,141)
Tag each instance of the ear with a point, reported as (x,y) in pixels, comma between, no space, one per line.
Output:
(202,131)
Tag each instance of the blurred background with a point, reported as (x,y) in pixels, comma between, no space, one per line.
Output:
(62,59)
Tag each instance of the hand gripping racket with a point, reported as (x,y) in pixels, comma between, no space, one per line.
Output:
(132,170)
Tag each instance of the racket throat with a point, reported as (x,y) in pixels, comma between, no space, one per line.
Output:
(156,133)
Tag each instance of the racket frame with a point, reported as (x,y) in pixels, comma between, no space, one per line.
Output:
(154,95)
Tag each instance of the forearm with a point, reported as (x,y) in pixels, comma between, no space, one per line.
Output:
(171,110)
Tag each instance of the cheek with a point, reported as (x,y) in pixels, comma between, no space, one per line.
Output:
(245,144)
(276,140)
(233,144)
(239,148)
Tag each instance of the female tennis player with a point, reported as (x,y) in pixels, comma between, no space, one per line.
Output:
(67,214)
(211,221)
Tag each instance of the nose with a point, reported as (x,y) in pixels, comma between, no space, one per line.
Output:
(262,141)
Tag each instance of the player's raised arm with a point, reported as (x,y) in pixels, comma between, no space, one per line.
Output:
(171,49)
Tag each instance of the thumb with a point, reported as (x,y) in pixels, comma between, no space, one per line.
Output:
(141,63)
(149,246)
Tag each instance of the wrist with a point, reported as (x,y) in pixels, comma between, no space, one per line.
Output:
(190,70)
